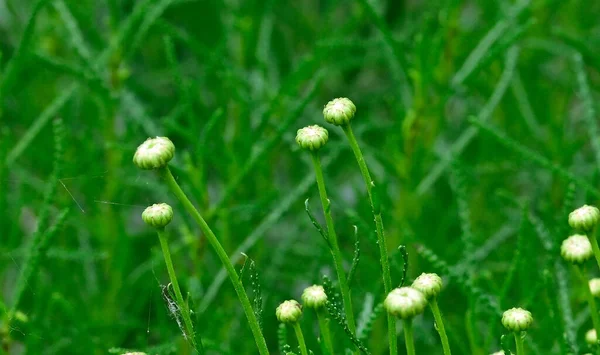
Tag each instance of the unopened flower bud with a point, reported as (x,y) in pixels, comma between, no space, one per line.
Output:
(429,284)
(158,215)
(595,287)
(405,302)
(312,137)
(339,111)
(154,153)
(576,249)
(585,218)
(289,311)
(591,337)
(517,319)
(314,296)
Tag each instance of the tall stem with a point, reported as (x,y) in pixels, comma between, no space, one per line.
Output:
(408,337)
(519,343)
(332,238)
(590,298)
(325,334)
(300,337)
(593,240)
(214,242)
(437,315)
(183,306)
(383,253)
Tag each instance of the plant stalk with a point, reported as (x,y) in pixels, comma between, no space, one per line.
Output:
(437,315)
(335,249)
(519,343)
(214,242)
(325,333)
(300,337)
(183,306)
(594,241)
(408,337)
(383,253)
(580,270)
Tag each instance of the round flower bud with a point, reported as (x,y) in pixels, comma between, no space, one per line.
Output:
(576,249)
(429,284)
(314,296)
(595,287)
(517,319)
(501,352)
(339,111)
(590,337)
(312,137)
(289,311)
(405,302)
(158,215)
(584,218)
(154,153)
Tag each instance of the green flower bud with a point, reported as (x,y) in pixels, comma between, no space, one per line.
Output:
(312,137)
(405,302)
(595,287)
(154,153)
(429,284)
(584,218)
(289,311)
(339,111)
(314,296)
(517,319)
(590,337)
(576,249)
(135,353)
(158,215)
(501,352)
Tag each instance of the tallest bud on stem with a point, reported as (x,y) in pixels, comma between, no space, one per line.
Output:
(154,153)
(584,218)
(339,111)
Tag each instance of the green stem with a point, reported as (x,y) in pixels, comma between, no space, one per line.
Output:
(300,337)
(408,337)
(437,315)
(185,311)
(590,298)
(325,333)
(519,343)
(383,253)
(214,242)
(332,238)
(594,242)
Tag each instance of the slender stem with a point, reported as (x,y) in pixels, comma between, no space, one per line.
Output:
(332,238)
(300,337)
(383,253)
(590,298)
(183,306)
(437,315)
(519,342)
(325,333)
(593,240)
(214,242)
(408,337)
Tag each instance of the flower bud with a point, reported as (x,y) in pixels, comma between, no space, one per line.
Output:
(501,352)
(429,284)
(312,137)
(405,302)
(595,287)
(339,111)
(314,296)
(576,249)
(289,311)
(154,153)
(158,215)
(517,319)
(590,337)
(134,353)
(585,218)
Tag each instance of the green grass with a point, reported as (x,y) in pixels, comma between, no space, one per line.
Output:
(478,120)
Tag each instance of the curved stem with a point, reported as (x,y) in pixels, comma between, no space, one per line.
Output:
(519,342)
(214,242)
(408,337)
(437,315)
(593,240)
(183,306)
(335,249)
(325,333)
(589,297)
(383,253)
(300,337)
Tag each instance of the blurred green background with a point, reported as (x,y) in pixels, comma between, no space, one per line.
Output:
(477,118)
